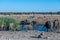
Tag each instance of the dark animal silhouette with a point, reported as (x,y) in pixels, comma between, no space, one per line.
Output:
(7,28)
(56,24)
(34,24)
(48,25)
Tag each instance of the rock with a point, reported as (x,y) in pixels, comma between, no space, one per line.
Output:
(36,36)
(39,36)
(44,37)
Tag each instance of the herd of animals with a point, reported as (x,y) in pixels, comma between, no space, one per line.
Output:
(35,26)
(25,25)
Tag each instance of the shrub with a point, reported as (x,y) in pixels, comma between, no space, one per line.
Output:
(7,20)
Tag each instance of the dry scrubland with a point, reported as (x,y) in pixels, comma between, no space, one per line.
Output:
(23,35)
(40,18)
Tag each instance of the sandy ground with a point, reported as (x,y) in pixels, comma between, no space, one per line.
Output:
(23,35)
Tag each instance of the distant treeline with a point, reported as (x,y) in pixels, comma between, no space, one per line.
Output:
(19,13)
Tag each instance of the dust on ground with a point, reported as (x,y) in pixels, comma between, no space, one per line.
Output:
(26,35)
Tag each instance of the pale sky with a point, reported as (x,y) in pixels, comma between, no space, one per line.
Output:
(29,5)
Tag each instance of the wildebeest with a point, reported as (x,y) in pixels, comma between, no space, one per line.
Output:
(11,26)
(48,25)
(24,25)
(2,27)
(34,24)
(7,28)
(56,24)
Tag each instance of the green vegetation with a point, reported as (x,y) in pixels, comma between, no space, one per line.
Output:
(20,13)
(6,20)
